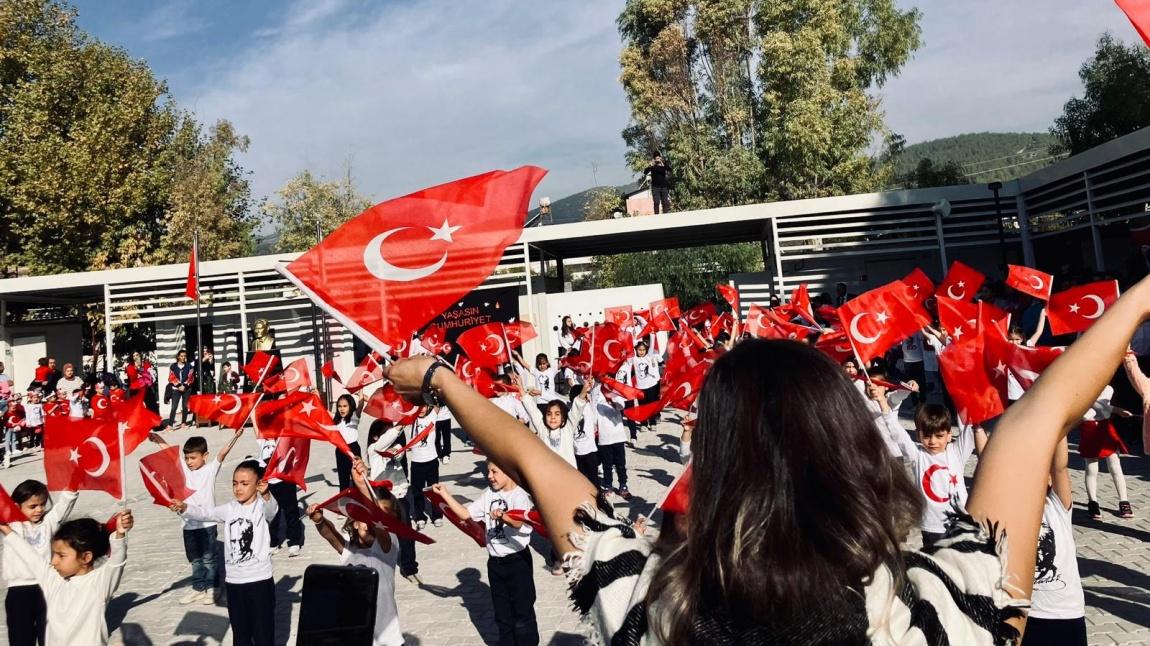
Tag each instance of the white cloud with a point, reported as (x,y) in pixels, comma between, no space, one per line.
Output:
(420,93)
(172,19)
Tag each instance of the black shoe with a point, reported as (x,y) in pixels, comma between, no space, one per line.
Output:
(1125,510)
(1094,510)
(623,493)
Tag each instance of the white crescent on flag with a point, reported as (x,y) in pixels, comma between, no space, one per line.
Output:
(857,334)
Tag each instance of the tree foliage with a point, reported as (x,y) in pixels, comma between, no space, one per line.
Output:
(95,157)
(305,200)
(1116,100)
(983,156)
(928,174)
(603,203)
(757,101)
(690,274)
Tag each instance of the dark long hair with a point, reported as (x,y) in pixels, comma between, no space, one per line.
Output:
(351,412)
(795,499)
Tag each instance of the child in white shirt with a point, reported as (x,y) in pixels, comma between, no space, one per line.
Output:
(939,466)
(247,553)
(509,570)
(602,417)
(25,606)
(76,591)
(424,462)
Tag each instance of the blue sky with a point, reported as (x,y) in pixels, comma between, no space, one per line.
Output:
(415,93)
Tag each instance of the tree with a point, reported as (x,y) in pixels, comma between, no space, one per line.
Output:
(690,274)
(928,174)
(84,145)
(305,200)
(602,204)
(753,101)
(210,194)
(1116,100)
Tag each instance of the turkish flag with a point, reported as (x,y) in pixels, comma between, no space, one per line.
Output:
(420,437)
(268,418)
(138,420)
(531,517)
(230,410)
(660,322)
(963,371)
(9,510)
(789,330)
(487,344)
(56,409)
(308,419)
(627,392)
(801,303)
(261,365)
(1030,281)
(101,406)
(390,406)
(1076,309)
(192,288)
(366,373)
(434,339)
(829,314)
(328,371)
(399,264)
(668,305)
(724,322)
(730,293)
(919,286)
(350,503)
(961,283)
(1025,363)
(288,462)
(700,314)
(678,493)
(82,455)
(877,320)
(610,347)
(519,332)
(473,529)
(960,318)
(164,476)
(835,345)
(476,376)
(1138,11)
(619,315)
(297,375)
(759,323)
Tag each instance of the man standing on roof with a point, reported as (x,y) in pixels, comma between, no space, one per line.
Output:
(659,174)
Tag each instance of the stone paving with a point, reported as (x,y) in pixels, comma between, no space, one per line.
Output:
(453,606)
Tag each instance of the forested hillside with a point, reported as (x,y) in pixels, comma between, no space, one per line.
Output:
(984,156)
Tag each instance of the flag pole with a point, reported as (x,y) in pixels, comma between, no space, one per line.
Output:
(199,322)
(123,503)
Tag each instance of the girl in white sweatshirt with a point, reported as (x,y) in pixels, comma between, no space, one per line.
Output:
(75,589)
(26,609)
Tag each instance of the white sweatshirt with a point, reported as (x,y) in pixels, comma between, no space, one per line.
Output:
(75,606)
(39,538)
(560,440)
(247,539)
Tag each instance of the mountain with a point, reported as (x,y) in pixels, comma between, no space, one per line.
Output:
(570,209)
(984,156)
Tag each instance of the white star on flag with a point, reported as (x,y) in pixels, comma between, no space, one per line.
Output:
(1000,368)
(957,333)
(307,407)
(881,317)
(962,283)
(74,455)
(1074,308)
(444,231)
(217,399)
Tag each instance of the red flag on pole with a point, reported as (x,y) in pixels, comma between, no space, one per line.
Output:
(530,516)
(352,504)
(399,264)
(678,495)
(137,418)
(961,283)
(328,370)
(83,454)
(260,366)
(730,293)
(919,287)
(230,410)
(1030,281)
(1138,11)
(700,314)
(9,510)
(289,461)
(619,315)
(390,406)
(964,372)
(366,373)
(192,289)
(268,418)
(473,529)
(164,476)
(434,339)
(801,303)
(1076,309)
(297,375)
(877,320)
(959,318)
(835,345)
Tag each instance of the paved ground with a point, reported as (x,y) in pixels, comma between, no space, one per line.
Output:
(453,607)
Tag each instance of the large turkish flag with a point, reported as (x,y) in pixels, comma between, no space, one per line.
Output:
(390,270)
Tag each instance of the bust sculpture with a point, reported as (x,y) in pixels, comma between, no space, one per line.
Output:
(262,338)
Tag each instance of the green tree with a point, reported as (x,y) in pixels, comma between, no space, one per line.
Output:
(1116,100)
(85,161)
(928,174)
(603,203)
(690,274)
(754,101)
(305,200)
(209,193)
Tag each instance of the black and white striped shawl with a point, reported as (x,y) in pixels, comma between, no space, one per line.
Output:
(953,594)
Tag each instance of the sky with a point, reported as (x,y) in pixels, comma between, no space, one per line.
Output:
(415,93)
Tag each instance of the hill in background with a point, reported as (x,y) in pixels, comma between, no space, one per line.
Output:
(984,156)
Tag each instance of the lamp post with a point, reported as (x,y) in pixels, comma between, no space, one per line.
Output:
(995,187)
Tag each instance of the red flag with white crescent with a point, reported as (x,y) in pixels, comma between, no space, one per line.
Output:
(366,373)
(730,293)
(288,462)
(261,365)
(619,315)
(918,286)
(226,409)
(138,420)
(350,503)
(878,319)
(486,345)
(393,268)
(163,476)
(1076,309)
(1030,281)
(297,375)
(531,517)
(962,282)
(835,345)
(964,372)
(82,455)
(387,404)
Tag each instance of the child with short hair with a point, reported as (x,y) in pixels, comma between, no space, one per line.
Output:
(247,553)
(369,546)
(34,418)
(25,606)
(509,570)
(76,591)
(939,466)
(199,535)
(228,379)
(602,418)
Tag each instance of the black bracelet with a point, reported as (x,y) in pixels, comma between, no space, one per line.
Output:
(429,396)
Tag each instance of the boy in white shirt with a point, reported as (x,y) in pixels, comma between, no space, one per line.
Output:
(602,418)
(509,570)
(939,465)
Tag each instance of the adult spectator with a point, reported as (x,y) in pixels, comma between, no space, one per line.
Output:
(181,379)
(40,379)
(659,174)
(5,392)
(842,295)
(208,368)
(53,376)
(72,386)
(142,378)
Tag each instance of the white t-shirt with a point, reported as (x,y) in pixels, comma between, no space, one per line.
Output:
(604,419)
(387,631)
(912,348)
(1057,586)
(349,429)
(511,405)
(545,382)
(442,414)
(425,450)
(646,371)
(202,481)
(940,479)
(930,353)
(502,539)
(33,415)
(897,440)
(247,538)
(39,538)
